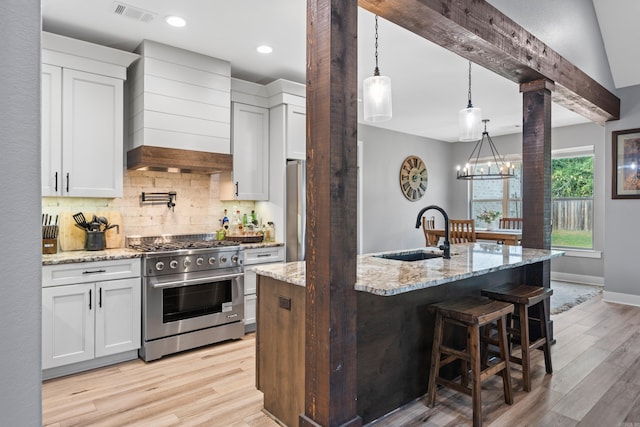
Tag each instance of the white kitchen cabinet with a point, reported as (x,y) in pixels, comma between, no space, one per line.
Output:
(67,325)
(82,118)
(296,132)
(82,134)
(90,312)
(253,257)
(51,130)
(250,147)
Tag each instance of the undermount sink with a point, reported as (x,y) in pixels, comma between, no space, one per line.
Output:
(410,256)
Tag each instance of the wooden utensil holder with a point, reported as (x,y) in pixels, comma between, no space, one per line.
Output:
(49,246)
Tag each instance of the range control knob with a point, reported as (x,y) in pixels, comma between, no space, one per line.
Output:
(187,262)
(234,259)
(223,259)
(199,261)
(173,264)
(212,260)
(159,265)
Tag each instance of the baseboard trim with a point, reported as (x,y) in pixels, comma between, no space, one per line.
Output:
(619,298)
(577,278)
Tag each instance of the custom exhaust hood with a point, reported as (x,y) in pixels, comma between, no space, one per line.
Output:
(148,157)
(180,111)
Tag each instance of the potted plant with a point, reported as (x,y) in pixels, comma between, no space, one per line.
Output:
(488,217)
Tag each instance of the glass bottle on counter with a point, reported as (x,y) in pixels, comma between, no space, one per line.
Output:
(270,233)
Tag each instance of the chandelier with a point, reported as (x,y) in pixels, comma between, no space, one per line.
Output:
(492,165)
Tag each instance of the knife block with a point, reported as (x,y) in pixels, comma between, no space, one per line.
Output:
(49,246)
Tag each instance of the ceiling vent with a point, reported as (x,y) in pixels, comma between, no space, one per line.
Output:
(132,12)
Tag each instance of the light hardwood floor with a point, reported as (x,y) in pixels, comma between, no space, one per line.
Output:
(596,382)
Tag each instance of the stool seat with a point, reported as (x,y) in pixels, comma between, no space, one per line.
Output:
(518,294)
(523,297)
(470,313)
(473,310)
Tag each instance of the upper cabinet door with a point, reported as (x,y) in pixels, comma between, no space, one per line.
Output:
(51,138)
(296,137)
(92,134)
(250,141)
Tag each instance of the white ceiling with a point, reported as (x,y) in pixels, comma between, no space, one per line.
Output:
(429,83)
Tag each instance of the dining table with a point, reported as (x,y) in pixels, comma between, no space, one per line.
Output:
(504,235)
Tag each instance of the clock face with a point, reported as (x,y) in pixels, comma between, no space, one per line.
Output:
(413,178)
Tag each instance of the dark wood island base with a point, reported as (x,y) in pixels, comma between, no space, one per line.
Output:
(394,339)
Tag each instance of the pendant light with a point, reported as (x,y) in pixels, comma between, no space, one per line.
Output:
(469,119)
(376,92)
(492,165)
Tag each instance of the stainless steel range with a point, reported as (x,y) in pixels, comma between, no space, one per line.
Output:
(192,292)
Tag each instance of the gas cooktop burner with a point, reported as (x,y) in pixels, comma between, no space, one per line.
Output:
(174,246)
(168,243)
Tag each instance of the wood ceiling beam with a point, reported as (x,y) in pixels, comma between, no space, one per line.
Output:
(482,34)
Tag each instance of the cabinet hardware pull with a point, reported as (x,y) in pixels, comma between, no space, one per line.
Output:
(263,255)
(94,271)
(100,297)
(90,299)
(236,188)
(67,182)
(56,186)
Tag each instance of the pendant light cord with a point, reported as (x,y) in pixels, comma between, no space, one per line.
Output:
(469,105)
(376,71)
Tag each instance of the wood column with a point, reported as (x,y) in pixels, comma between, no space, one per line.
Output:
(536,179)
(536,164)
(330,338)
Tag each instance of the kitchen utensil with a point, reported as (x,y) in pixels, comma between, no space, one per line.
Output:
(104,221)
(80,219)
(112,226)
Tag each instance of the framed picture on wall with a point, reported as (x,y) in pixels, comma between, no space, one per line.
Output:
(626,164)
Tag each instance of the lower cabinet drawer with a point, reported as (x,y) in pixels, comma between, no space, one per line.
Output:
(85,272)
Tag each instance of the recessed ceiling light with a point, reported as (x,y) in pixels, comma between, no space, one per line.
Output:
(264,49)
(175,21)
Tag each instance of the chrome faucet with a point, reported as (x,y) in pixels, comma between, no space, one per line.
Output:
(446,247)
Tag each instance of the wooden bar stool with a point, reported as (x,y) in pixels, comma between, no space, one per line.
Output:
(523,297)
(470,313)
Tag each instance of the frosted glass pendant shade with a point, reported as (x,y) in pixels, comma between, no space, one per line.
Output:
(377,98)
(470,124)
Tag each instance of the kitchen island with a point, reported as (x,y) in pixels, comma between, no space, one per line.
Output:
(394,327)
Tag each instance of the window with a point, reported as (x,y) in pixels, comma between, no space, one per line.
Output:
(572,198)
(502,195)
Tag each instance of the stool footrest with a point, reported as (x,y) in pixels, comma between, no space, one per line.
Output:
(453,353)
(453,385)
(492,370)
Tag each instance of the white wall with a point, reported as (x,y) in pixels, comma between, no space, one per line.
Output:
(20,304)
(389,218)
(623,216)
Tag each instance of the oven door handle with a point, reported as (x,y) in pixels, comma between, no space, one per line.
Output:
(191,282)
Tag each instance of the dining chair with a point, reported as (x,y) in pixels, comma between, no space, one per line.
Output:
(462,230)
(511,223)
(429,224)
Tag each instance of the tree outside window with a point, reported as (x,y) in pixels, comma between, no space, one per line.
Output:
(572,201)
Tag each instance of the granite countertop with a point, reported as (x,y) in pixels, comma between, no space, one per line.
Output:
(260,245)
(88,256)
(388,277)
(120,253)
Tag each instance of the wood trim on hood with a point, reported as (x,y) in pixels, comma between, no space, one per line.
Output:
(146,157)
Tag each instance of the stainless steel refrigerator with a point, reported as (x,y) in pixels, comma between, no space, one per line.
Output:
(295,204)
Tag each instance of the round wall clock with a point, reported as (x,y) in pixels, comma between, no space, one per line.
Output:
(413,178)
